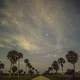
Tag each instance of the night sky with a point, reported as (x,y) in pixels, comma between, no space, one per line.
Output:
(43,30)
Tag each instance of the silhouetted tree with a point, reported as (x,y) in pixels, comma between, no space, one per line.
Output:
(26,61)
(37,72)
(30,71)
(50,69)
(72,57)
(14,69)
(1,67)
(12,56)
(55,66)
(29,66)
(21,71)
(19,56)
(61,61)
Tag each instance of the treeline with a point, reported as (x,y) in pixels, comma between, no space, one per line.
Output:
(72,57)
(14,57)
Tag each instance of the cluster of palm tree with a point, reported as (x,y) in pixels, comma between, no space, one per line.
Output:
(14,57)
(71,56)
(29,68)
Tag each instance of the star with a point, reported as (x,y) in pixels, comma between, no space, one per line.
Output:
(46,34)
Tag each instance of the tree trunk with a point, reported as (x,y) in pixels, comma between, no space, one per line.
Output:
(18,70)
(56,71)
(62,67)
(74,72)
(26,69)
(10,71)
(74,67)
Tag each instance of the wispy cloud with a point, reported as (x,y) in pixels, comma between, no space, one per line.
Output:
(26,44)
(44,28)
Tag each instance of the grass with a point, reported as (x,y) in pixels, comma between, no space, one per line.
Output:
(15,77)
(40,77)
(62,77)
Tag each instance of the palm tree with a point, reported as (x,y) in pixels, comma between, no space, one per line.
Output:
(20,71)
(72,57)
(19,56)
(26,61)
(14,69)
(37,72)
(1,66)
(12,56)
(31,72)
(61,61)
(55,66)
(29,66)
(50,69)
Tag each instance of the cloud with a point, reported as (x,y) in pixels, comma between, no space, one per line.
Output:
(44,28)
(25,43)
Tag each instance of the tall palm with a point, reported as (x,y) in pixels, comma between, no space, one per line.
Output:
(12,56)
(55,66)
(61,61)
(26,61)
(19,56)
(72,57)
